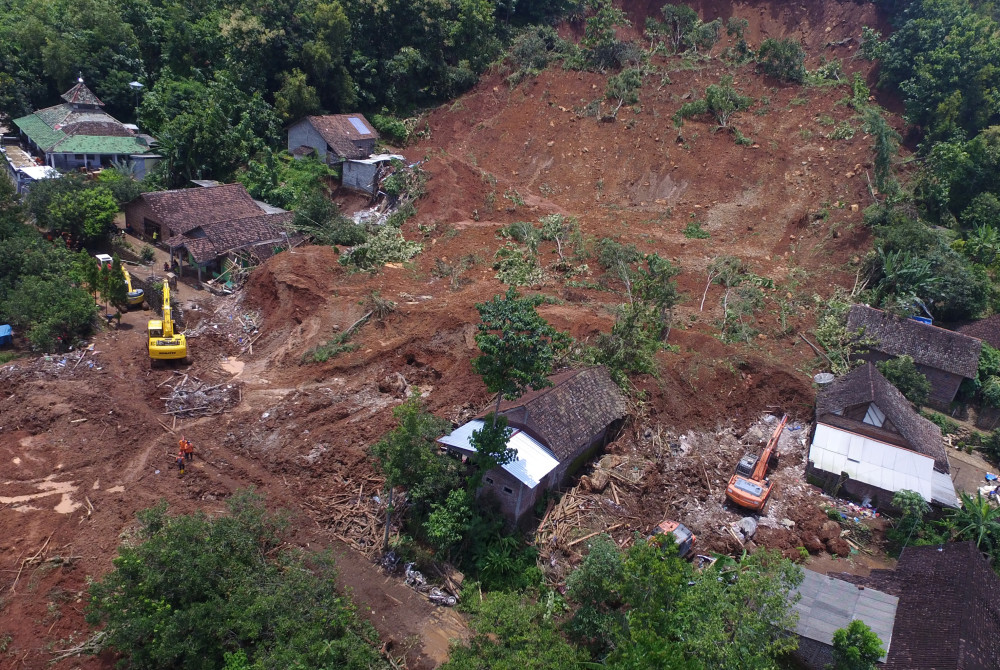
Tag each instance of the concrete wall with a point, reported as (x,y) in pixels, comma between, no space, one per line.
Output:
(360,176)
(302,133)
(515,500)
(851,488)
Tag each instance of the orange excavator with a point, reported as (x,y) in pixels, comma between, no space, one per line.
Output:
(749,487)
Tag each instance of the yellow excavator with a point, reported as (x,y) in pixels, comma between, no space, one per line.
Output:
(135,296)
(164,343)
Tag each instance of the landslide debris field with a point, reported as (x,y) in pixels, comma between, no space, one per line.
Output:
(87,439)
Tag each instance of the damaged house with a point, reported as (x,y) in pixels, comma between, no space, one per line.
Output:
(869,442)
(333,138)
(943,356)
(556,430)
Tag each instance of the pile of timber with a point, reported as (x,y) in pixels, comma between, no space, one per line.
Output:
(356,518)
(190,397)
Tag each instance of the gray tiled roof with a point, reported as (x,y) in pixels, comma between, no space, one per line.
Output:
(948,617)
(564,417)
(928,345)
(987,330)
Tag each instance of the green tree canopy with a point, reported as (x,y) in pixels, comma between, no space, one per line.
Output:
(856,647)
(518,346)
(195,588)
(903,374)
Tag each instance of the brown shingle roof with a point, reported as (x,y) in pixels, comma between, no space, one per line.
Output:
(81,95)
(866,384)
(928,345)
(567,415)
(948,617)
(339,132)
(987,330)
(212,240)
(187,208)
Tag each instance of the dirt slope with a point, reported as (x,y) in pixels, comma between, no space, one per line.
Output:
(81,445)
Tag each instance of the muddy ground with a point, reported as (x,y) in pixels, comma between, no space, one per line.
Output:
(85,442)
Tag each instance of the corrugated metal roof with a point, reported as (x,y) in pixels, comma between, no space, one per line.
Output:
(533,460)
(872,462)
(827,604)
(943,490)
(37,172)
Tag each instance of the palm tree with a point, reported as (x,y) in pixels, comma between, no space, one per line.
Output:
(977,520)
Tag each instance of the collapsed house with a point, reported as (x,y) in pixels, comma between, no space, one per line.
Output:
(948,615)
(556,430)
(870,443)
(943,356)
(826,604)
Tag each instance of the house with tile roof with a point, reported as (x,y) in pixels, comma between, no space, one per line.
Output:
(948,614)
(78,133)
(869,442)
(556,430)
(334,138)
(203,226)
(944,356)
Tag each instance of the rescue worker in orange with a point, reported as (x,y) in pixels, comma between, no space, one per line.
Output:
(187,449)
(180,462)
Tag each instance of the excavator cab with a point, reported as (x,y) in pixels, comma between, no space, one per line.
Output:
(683,536)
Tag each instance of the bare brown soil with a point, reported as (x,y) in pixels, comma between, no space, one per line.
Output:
(83,448)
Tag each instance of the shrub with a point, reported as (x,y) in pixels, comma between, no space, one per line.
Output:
(240,589)
(147,254)
(391,129)
(693,230)
(903,374)
(385,245)
(783,59)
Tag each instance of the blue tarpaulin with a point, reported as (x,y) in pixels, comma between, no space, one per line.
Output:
(6,335)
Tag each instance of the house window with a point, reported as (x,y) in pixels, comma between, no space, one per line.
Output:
(489,480)
(508,490)
(78,157)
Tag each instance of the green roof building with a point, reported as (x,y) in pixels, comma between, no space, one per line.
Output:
(79,133)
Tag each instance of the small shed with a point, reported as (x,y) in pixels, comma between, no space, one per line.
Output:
(943,356)
(364,174)
(6,336)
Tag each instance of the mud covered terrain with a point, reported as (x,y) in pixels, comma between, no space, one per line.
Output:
(86,442)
